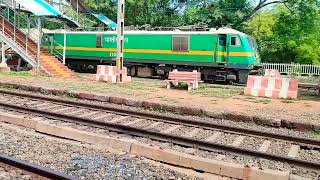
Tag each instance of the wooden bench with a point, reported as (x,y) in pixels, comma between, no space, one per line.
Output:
(191,78)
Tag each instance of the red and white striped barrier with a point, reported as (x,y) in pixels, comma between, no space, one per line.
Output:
(109,74)
(272,73)
(274,87)
(107,70)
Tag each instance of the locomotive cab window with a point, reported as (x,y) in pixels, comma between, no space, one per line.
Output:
(222,40)
(180,43)
(235,41)
(99,41)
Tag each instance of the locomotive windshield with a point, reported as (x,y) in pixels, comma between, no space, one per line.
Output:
(253,43)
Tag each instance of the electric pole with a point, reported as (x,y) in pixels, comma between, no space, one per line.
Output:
(120,40)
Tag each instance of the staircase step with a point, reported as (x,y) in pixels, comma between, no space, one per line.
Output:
(58,68)
(52,65)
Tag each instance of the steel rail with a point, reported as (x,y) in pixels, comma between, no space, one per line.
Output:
(173,120)
(183,141)
(34,169)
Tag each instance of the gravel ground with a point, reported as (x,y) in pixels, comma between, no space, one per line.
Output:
(55,108)
(310,155)
(142,124)
(66,110)
(13,174)
(251,143)
(162,127)
(97,115)
(182,131)
(81,161)
(81,113)
(125,121)
(226,138)
(203,134)
(279,148)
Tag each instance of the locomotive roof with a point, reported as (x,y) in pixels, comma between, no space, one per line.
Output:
(214,31)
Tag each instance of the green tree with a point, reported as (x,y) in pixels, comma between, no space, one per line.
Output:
(140,12)
(288,34)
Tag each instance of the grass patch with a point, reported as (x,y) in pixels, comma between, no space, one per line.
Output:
(263,101)
(220,91)
(287,101)
(309,95)
(308,79)
(167,99)
(315,133)
(137,87)
(17,73)
(253,99)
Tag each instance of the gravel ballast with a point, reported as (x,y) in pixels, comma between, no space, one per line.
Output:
(76,159)
(8,174)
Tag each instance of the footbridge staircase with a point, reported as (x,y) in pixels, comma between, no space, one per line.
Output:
(24,36)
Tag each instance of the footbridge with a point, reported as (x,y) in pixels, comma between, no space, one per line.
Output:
(22,33)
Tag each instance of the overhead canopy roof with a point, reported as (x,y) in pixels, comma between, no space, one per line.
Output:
(80,5)
(106,20)
(39,8)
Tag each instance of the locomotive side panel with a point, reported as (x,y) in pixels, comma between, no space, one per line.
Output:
(226,57)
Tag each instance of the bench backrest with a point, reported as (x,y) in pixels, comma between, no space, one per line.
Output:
(185,76)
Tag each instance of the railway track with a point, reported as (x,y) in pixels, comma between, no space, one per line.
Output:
(314,87)
(185,132)
(35,171)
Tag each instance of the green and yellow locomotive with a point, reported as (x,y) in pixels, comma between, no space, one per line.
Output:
(223,55)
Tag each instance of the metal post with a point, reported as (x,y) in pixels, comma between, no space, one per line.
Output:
(51,45)
(18,19)
(3,26)
(120,38)
(60,6)
(9,11)
(64,46)
(28,32)
(3,53)
(3,63)
(14,20)
(78,11)
(39,42)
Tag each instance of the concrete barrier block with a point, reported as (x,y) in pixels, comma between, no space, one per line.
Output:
(234,170)
(273,87)
(82,136)
(267,174)
(154,153)
(17,120)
